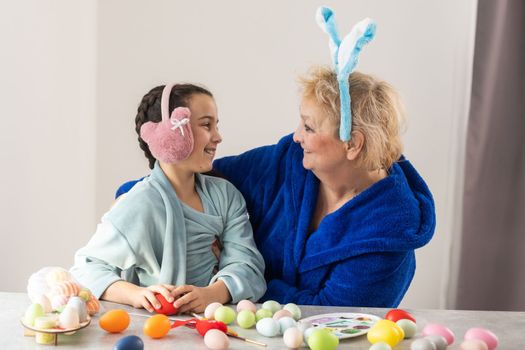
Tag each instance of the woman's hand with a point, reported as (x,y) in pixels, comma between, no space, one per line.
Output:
(195,299)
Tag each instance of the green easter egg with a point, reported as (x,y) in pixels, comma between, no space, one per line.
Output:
(224,314)
(262,313)
(246,319)
(33,312)
(322,339)
(294,310)
(271,305)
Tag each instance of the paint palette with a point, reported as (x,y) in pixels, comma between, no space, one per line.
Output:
(344,324)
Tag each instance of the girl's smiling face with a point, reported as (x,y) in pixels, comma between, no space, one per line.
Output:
(204,125)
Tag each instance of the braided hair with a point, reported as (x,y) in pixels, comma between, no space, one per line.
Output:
(149,109)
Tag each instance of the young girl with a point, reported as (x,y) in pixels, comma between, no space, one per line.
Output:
(162,231)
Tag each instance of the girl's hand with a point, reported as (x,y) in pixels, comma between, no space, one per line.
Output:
(145,297)
(195,299)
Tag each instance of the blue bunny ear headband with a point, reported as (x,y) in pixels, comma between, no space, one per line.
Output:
(345,54)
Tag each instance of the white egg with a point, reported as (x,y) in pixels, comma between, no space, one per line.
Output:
(439,341)
(44,301)
(293,338)
(408,326)
(79,304)
(285,323)
(69,318)
(422,344)
(307,332)
(268,327)
(380,346)
(210,310)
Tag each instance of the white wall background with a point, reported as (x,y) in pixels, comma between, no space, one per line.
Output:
(73,75)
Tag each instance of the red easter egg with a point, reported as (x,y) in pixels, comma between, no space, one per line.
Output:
(205,325)
(166,308)
(395,315)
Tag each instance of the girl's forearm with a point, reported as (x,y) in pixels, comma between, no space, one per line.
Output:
(121,292)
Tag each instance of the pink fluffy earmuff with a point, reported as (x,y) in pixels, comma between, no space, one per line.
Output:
(170,140)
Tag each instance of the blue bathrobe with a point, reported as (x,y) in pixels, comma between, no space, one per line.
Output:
(360,255)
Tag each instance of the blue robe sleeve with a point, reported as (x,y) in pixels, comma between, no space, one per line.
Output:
(241,266)
(382,283)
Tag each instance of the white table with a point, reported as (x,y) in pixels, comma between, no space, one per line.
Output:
(509,326)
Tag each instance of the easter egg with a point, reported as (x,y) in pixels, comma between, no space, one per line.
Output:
(114,321)
(422,344)
(483,334)
(224,314)
(130,342)
(380,346)
(285,323)
(210,310)
(408,327)
(80,305)
(385,331)
(268,327)
(262,313)
(294,310)
(166,308)
(57,301)
(246,305)
(157,326)
(33,311)
(216,340)
(293,338)
(438,329)
(395,315)
(69,318)
(246,319)
(85,294)
(303,325)
(473,344)
(439,341)
(271,305)
(322,339)
(45,302)
(203,326)
(307,332)
(281,313)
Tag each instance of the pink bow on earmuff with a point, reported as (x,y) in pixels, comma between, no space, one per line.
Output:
(170,140)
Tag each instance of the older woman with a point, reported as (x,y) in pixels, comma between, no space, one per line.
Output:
(337,222)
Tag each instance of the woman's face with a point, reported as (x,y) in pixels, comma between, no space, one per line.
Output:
(206,135)
(323,151)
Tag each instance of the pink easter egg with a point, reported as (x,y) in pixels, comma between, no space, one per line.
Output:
(216,340)
(473,344)
(483,334)
(438,329)
(246,305)
(282,313)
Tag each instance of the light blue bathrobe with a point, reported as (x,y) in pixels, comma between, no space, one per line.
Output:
(150,232)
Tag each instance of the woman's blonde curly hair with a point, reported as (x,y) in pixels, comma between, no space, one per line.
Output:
(377,112)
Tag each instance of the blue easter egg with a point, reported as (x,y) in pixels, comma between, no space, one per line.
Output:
(131,342)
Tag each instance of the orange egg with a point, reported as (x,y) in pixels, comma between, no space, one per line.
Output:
(114,321)
(157,326)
